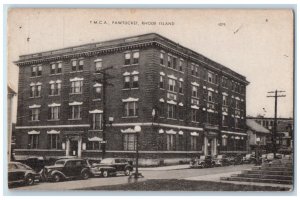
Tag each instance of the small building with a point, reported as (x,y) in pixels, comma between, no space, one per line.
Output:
(257,135)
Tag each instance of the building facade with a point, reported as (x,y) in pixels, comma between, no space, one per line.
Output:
(185,103)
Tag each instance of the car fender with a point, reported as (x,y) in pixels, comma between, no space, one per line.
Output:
(129,167)
(58,172)
(106,168)
(85,169)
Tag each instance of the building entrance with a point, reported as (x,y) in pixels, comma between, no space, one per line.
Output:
(73,148)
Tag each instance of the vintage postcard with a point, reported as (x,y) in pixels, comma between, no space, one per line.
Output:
(150,99)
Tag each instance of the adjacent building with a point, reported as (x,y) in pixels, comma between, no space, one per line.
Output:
(185,103)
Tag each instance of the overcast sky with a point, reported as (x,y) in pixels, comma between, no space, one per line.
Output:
(255,43)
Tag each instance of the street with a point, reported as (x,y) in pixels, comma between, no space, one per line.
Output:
(148,173)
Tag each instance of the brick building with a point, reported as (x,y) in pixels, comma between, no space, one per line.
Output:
(185,103)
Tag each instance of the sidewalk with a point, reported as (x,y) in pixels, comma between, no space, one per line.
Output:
(165,168)
(217,178)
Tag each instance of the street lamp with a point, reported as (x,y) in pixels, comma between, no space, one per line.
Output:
(137,130)
(257,149)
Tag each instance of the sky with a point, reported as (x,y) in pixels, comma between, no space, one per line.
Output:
(258,44)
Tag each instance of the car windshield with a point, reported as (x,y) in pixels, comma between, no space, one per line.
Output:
(60,162)
(107,161)
(22,166)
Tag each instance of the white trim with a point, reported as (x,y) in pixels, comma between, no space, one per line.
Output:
(180,104)
(32,84)
(54,126)
(98,60)
(195,84)
(161,100)
(204,87)
(242,100)
(58,81)
(128,130)
(76,79)
(171,131)
(53,104)
(33,132)
(135,73)
(162,73)
(130,99)
(35,106)
(224,136)
(194,134)
(97,85)
(234,133)
(51,82)
(172,77)
(75,103)
(203,109)
(126,74)
(180,132)
(171,102)
(53,132)
(224,93)
(210,89)
(237,98)
(195,107)
(160,131)
(38,83)
(95,139)
(210,110)
(95,111)
(224,113)
(181,79)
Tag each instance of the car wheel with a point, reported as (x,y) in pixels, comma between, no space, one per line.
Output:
(56,178)
(85,175)
(29,180)
(105,174)
(127,172)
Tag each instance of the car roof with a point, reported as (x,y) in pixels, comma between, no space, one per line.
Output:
(68,159)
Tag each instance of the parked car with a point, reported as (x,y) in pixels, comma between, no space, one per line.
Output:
(270,157)
(111,166)
(221,160)
(249,158)
(21,173)
(202,162)
(236,159)
(65,169)
(36,163)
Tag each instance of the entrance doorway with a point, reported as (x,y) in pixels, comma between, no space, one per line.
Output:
(209,147)
(73,148)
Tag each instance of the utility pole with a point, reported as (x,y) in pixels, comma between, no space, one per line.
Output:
(275,119)
(104,79)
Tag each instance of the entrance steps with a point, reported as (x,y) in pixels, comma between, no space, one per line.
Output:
(279,171)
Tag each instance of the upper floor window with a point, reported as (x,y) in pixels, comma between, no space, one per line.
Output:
(194,115)
(36,70)
(135,82)
(77,65)
(161,82)
(224,120)
(171,144)
(225,100)
(180,65)
(127,58)
(98,90)
(130,109)
(56,68)
(194,91)
(210,96)
(172,84)
(135,57)
(174,63)
(197,71)
(97,120)
(35,90)
(35,114)
(75,111)
(126,82)
(76,85)
(53,141)
(98,65)
(193,69)
(53,112)
(129,142)
(55,87)
(171,111)
(169,61)
(131,80)
(210,77)
(33,141)
(162,58)
(193,143)
(224,82)
(180,87)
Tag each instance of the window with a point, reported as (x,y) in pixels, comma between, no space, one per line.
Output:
(169,61)
(180,65)
(80,66)
(225,100)
(33,141)
(56,68)
(130,109)
(170,142)
(237,104)
(55,88)
(180,112)
(196,71)
(136,56)
(74,65)
(210,96)
(129,142)
(193,143)
(53,68)
(224,120)
(126,82)
(224,82)
(210,77)
(180,88)
(161,82)
(224,141)
(210,118)
(53,141)
(35,90)
(174,63)
(39,72)
(77,87)
(193,69)
(127,58)
(59,66)
(97,121)
(194,115)
(93,145)
(171,111)
(35,114)
(34,71)
(194,91)
(162,57)
(162,109)
(172,84)
(98,91)
(236,122)
(54,112)
(98,65)
(135,82)
(76,112)
(32,91)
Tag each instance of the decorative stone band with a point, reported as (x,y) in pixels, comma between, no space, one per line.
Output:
(76,79)
(35,106)
(53,132)
(130,99)
(33,132)
(95,111)
(75,103)
(54,104)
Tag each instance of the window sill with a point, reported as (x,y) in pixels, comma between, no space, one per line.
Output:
(34,121)
(172,118)
(195,76)
(55,74)
(126,89)
(161,88)
(96,100)
(35,97)
(74,93)
(35,76)
(197,98)
(173,92)
(75,119)
(195,122)
(95,130)
(72,72)
(172,68)
(135,88)
(53,120)
(130,117)
(130,65)
(54,95)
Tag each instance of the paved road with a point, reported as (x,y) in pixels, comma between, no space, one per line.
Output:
(121,179)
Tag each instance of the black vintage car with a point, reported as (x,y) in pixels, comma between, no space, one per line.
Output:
(65,169)
(221,160)
(21,173)
(112,166)
(202,162)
